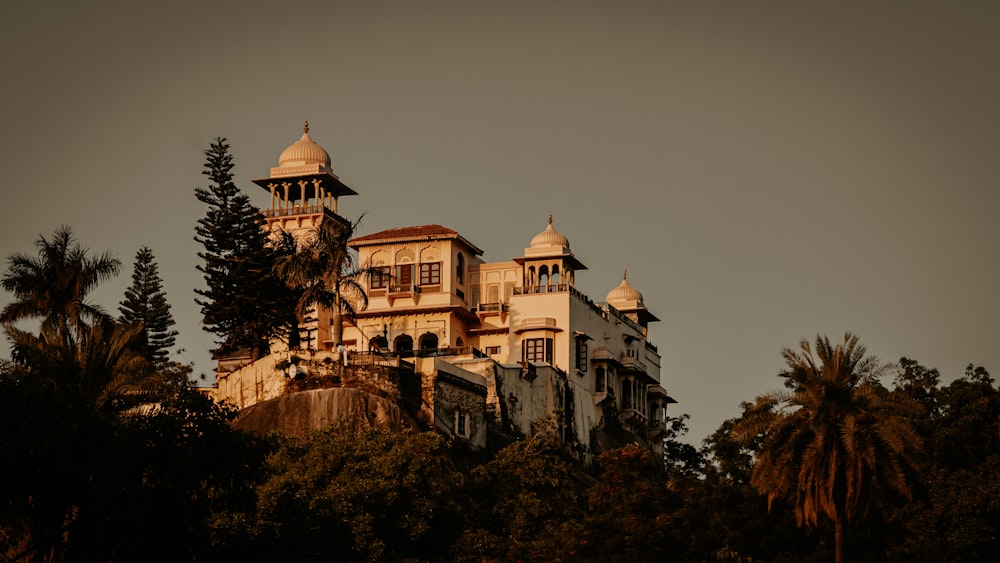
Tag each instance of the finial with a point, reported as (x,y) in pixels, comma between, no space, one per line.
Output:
(305,128)
(625,275)
(550,218)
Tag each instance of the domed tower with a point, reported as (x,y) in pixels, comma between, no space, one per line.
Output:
(548,263)
(628,300)
(304,190)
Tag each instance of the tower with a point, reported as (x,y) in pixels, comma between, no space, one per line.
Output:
(304,190)
(305,195)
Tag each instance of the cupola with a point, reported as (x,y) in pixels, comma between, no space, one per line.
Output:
(628,300)
(549,238)
(624,296)
(304,152)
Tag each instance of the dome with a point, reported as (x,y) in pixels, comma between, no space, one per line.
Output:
(624,296)
(304,152)
(549,237)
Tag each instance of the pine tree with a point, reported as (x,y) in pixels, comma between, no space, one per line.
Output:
(245,304)
(146,303)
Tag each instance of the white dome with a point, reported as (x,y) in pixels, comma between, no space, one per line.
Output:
(304,152)
(549,237)
(624,296)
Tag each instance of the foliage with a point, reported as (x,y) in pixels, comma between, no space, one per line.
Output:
(831,440)
(54,285)
(629,518)
(324,272)
(526,503)
(355,495)
(145,304)
(957,518)
(245,303)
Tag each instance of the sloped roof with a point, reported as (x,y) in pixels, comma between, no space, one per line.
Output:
(409,234)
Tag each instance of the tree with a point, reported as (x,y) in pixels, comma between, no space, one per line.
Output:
(245,303)
(526,504)
(146,304)
(958,517)
(345,493)
(54,285)
(832,438)
(324,270)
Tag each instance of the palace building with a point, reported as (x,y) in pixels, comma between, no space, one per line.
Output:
(491,345)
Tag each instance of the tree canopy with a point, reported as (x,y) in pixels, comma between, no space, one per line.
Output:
(245,304)
(145,304)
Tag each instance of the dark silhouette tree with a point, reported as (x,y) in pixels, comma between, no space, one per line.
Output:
(54,285)
(145,304)
(833,437)
(245,303)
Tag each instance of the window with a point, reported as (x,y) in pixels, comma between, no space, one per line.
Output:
(404,274)
(492,350)
(460,268)
(462,424)
(538,350)
(380,277)
(581,354)
(430,274)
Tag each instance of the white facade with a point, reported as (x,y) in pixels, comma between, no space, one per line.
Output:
(540,346)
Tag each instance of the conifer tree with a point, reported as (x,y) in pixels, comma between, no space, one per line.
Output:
(245,304)
(146,303)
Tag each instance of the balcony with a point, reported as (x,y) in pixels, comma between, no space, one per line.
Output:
(537,289)
(300,210)
(491,308)
(406,289)
(537,323)
(484,310)
(632,418)
(632,363)
(604,355)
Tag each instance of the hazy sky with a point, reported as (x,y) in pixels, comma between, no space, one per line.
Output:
(766,170)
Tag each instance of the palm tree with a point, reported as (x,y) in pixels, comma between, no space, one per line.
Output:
(54,285)
(832,437)
(325,271)
(104,366)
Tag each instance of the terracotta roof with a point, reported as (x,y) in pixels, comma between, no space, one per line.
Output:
(422,232)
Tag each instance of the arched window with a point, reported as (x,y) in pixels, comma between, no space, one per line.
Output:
(460,268)
(403,344)
(543,277)
(378,344)
(531,276)
(459,342)
(555,275)
(428,341)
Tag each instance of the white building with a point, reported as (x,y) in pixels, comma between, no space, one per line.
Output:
(519,329)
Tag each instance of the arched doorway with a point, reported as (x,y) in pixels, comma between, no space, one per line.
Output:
(428,341)
(378,345)
(403,345)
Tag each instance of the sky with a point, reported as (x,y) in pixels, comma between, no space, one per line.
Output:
(767,171)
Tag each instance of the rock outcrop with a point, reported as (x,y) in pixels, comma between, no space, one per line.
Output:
(298,413)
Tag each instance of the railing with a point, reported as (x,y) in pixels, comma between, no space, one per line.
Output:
(538,322)
(602,354)
(408,288)
(491,307)
(621,317)
(633,363)
(534,289)
(305,210)
(430,353)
